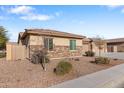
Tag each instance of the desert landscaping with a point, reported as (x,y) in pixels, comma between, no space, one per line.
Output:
(23,73)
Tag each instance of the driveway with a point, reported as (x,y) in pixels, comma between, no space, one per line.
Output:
(113,55)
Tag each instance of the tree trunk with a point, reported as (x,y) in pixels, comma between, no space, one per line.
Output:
(99,52)
(44,67)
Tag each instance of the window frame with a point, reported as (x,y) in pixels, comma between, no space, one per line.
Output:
(73,44)
(47,46)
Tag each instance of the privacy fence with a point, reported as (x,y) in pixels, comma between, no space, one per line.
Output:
(15,51)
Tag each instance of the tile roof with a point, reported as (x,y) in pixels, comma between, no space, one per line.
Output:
(115,40)
(48,32)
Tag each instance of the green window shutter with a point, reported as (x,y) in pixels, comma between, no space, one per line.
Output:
(50,43)
(72,44)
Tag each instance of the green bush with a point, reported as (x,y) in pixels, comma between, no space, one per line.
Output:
(89,53)
(102,60)
(2,55)
(62,68)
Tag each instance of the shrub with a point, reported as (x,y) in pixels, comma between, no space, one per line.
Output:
(102,60)
(2,55)
(89,53)
(62,68)
(40,57)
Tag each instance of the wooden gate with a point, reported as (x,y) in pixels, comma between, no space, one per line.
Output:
(15,51)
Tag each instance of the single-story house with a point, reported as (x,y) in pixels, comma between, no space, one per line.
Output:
(115,45)
(95,48)
(87,44)
(59,44)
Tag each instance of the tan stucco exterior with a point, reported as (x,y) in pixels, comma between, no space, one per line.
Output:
(59,41)
(86,47)
(96,49)
(35,40)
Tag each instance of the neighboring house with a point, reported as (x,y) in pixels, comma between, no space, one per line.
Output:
(59,44)
(95,48)
(87,44)
(115,45)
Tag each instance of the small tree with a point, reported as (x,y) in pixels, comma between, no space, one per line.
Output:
(3,37)
(100,43)
(40,57)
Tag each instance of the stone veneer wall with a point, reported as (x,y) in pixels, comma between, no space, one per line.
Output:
(59,51)
(64,51)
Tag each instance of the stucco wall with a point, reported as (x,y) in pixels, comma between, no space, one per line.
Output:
(96,49)
(86,47)
(65,41)
(38,40)
(61,46)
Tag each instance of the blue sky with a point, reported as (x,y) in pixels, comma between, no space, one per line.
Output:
(105,21)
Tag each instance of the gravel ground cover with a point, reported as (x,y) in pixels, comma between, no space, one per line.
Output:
(24,74)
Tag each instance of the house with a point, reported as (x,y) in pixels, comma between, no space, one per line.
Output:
(87,44)
(59,44)
(115,45)
(95,47)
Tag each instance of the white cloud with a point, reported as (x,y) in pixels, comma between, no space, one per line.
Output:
(38,17)
(21,9)
(29,13)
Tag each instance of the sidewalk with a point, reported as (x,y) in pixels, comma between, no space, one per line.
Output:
(110,78)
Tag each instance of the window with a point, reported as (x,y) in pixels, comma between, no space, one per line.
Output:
(48,43)
(72,44)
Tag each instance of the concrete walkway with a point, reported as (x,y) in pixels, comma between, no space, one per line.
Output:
(109,78)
